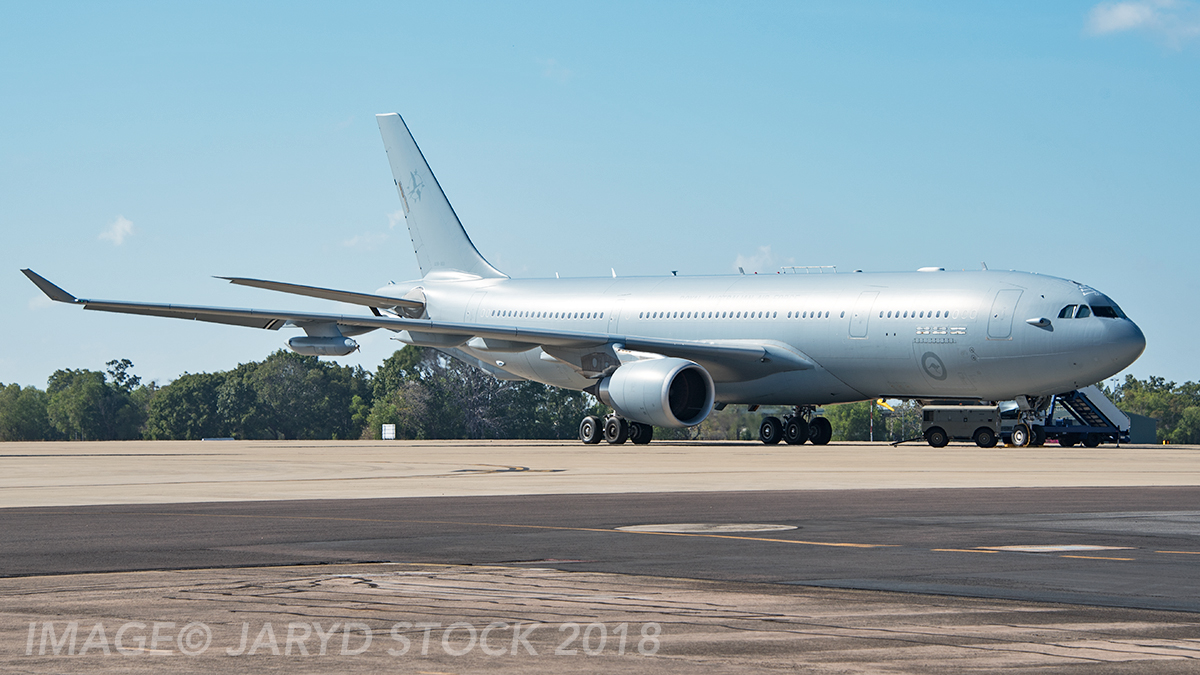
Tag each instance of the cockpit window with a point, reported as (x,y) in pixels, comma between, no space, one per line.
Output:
(1067,312)
(1083,312)
(1105,312)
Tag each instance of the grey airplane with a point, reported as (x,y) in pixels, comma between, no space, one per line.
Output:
(666,351)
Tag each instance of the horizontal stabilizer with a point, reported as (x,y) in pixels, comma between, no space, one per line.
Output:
(365,299)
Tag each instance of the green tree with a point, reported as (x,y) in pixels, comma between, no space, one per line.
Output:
(83,405)
(1163,400)
(1187,430)
(292,396)
(186,409)
(852,421)
(23,414)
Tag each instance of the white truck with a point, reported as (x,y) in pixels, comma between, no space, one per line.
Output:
(942,423)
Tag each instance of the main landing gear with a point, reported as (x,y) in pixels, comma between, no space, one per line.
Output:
(796,429)
(614,430)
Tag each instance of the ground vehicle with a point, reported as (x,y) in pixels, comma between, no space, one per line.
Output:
(943,423)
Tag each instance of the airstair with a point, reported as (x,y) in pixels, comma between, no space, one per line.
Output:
(1096,419)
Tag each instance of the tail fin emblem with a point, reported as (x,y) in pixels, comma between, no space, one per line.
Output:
(415,188)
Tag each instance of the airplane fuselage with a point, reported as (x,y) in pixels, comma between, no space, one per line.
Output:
(927,335)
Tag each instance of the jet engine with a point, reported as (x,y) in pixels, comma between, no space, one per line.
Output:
(664,392)
(322,346)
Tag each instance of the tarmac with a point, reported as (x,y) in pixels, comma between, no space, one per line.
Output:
(457,557)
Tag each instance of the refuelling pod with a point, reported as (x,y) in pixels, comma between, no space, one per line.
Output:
(322,346)
(664,392)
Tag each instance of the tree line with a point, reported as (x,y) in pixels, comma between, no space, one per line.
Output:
(427,395)
(288,396)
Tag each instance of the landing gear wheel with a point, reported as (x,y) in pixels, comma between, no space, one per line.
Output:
(1068,440)
(795,431)
(640,433)
(1091,440)
(616,430)
(771,430)
(590,431)
(936,436)
(820,431)
(985,437)
(1039,436)
(1021,435)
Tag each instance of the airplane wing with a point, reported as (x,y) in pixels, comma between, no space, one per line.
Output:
(726,360)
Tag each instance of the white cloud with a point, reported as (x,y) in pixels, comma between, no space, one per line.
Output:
(366,240)
(119,229)
(553,70)
(763,261)
(395,218)
(1173,21)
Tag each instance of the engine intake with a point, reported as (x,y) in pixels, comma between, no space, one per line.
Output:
(664,392)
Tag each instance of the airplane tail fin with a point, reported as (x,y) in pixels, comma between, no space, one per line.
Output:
(438,237)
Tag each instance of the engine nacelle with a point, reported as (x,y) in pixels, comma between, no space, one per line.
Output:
(664,392)
(322,346)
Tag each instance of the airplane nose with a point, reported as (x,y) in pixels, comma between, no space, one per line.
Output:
(1126,341)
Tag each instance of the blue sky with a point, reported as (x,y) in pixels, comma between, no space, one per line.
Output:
(146,147)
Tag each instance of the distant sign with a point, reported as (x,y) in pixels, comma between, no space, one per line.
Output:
(389,432)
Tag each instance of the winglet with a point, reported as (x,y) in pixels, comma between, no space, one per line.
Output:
(54,292)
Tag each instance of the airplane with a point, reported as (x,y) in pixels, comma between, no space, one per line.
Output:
(666,351)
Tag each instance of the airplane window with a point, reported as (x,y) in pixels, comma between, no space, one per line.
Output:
(739,315)
(906,315)
(922,315)
(789,315)
(1067,312)
(601,315)
(889,314)
(775,315)
(1103,311)
(1083,312)
(689,315)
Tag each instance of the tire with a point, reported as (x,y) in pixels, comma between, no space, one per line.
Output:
(1039,436)
(616,430)
(985,437)
(1068,440)
(771,431)
(936,436)
(820,431)
(590,431)
(1021,435)
(1091,440)
(640,434)
(795,431)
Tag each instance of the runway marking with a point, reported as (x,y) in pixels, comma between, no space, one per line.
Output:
(1094,557)
(510,525)
(1055,548)
(963,550)
(1181,552)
